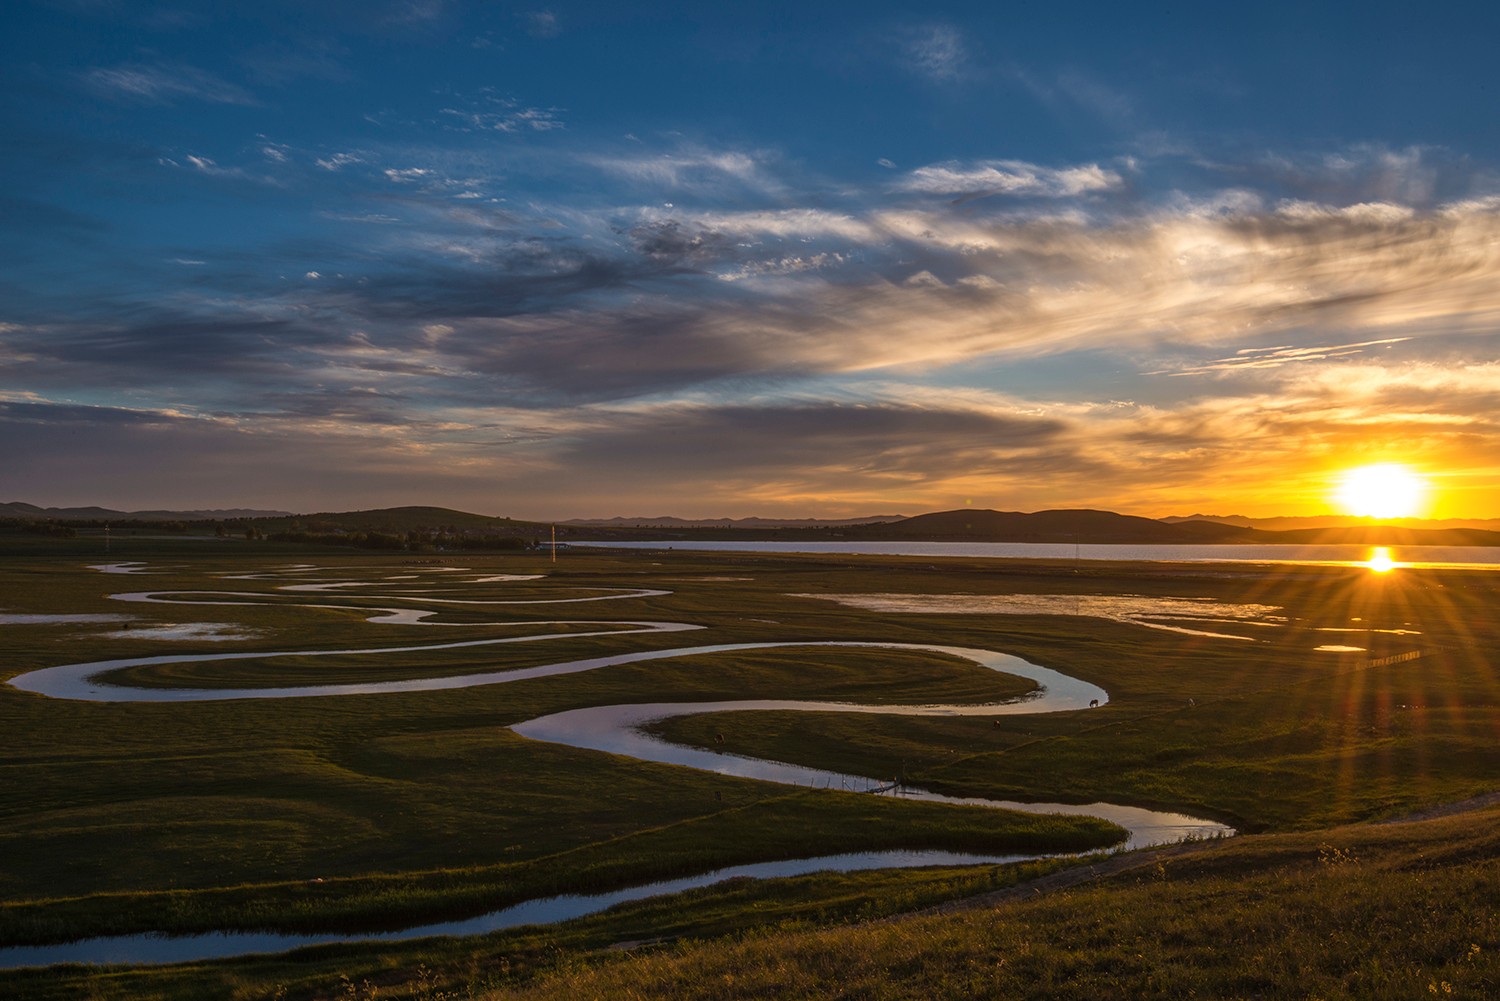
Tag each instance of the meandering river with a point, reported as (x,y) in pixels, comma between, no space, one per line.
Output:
(616,729)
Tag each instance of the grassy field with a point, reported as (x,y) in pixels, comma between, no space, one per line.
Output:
(1375,912)
(131,817)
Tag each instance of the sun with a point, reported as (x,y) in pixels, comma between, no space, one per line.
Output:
(1386,490)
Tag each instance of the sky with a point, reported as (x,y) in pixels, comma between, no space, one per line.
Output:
(779,259)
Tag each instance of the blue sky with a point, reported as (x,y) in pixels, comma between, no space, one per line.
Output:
(813,259)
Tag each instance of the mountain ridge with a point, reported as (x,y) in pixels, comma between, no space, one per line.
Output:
(1066,525)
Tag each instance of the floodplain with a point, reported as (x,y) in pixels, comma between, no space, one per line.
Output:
(374,810)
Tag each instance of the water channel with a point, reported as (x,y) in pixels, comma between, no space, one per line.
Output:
(615,729)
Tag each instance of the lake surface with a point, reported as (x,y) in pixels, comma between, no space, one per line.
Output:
(1474,557)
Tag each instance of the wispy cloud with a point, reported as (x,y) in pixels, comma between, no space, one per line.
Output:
(510,116)
(692,169)
(1010,177)
(541,23)
(337,161)
(937,52)
(148,83)
(208,167)
(1073,89)
(1275,357)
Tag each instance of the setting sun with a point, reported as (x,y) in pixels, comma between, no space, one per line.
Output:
(1386,490)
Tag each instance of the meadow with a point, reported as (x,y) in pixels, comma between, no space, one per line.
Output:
(375,811)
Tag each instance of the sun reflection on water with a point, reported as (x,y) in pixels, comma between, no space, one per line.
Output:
(1380,560)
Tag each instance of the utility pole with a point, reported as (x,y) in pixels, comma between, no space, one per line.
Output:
(554,543)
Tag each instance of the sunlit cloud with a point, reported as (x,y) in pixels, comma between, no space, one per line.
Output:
(1009,177)
(1274,357)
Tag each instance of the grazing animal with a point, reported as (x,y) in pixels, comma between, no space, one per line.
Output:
(1093,703)
(1192,703)
(718,738)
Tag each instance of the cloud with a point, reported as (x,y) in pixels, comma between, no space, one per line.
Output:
(1275,357)
(1009,177)
(1413,176)
(1075,89)
(787,224)
(668,300)
(243,349)
(338,161)
(511,117)
(837,338)
(208,167)
(146,83)
(692,169)
(936,51)
(541,23)
(415,12)
(405,175)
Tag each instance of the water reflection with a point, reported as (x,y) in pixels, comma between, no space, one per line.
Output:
(616,729)
(137,950)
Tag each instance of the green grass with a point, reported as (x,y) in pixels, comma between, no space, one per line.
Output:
(1358,913)
(425,806)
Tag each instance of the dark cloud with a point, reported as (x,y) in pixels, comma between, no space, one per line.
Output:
(206,357)
(65,415)
(128,460)
(674,241)
(798,439)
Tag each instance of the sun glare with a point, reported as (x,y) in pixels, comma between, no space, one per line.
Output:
(1380,560)
(1387,490)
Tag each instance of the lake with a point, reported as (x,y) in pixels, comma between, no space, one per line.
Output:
(1472,557)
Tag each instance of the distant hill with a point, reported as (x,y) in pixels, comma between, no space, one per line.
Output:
(967,525)
(1281,524)
(752,523)
(1050,526)
(396,520)
(1108,528)
(1381,535)
(16,509)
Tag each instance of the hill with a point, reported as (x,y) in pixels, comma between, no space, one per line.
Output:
(1083,526)
(1050,526)
(398,520)
(1289,524)
(1107,528)
(751,523)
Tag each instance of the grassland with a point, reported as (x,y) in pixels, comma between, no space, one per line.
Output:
(117,817)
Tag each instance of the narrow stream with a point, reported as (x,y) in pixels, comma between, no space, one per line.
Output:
(615,729)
